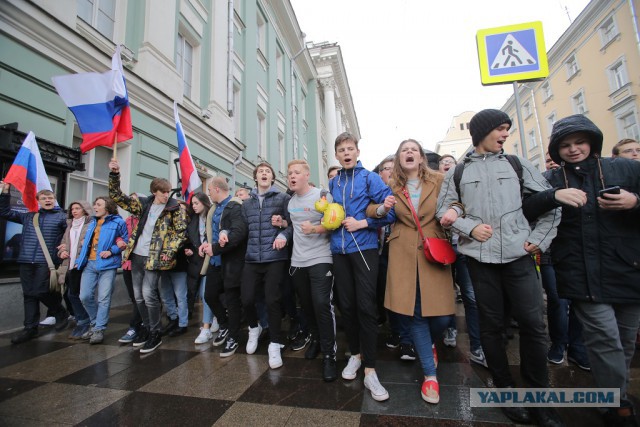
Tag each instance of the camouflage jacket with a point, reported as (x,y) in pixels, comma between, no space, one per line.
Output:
(168,234)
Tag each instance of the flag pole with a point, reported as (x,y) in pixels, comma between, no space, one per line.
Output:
(115,147)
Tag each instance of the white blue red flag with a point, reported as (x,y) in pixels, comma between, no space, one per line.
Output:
(100,103)
(190,179)
(27,173)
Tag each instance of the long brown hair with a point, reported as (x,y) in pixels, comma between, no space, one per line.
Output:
(398,175)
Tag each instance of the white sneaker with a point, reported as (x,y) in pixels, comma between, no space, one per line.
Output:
(214,325)
(204,336)
(450,335)
(252,342)
(49,321)
(371,383)
(275,359)
(351,370)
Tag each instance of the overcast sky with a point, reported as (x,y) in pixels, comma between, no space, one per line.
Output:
(412,64)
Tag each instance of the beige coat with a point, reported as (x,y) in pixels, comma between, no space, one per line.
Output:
(406,258)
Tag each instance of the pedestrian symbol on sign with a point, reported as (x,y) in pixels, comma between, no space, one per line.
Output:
(512,54)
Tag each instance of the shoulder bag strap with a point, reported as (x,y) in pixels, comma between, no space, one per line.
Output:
(43,245)
(413,211)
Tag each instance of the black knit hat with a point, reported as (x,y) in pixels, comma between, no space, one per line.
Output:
(484,122)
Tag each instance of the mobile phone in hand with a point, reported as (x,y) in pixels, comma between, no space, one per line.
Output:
(610,190)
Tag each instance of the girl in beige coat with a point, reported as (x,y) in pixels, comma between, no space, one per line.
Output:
(416,287)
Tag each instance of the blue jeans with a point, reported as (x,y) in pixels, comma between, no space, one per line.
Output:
(423,329)
(207,314)
(173,288)
(92,278)
(564,326)
(463,279)
(399,326)
(73,279)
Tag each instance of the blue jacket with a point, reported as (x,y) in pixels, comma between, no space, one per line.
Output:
(113,227)
(355,189)
(261,233)
(52,222)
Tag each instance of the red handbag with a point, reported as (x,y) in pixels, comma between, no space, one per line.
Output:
(437,251)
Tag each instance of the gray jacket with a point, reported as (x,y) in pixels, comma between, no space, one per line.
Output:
(491,195)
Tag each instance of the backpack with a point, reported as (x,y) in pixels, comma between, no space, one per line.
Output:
(514,161)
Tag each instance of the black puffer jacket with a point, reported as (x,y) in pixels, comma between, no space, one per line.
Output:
(52,224)
(596,252)
(233,253)
(261,233)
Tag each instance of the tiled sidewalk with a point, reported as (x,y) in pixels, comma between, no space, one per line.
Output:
(54,381)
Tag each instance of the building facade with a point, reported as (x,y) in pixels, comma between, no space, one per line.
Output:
(594,69)
(246,84)
(457,141)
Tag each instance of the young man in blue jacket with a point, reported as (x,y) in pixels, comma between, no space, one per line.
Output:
(34,271)
(355,258)
(99,260)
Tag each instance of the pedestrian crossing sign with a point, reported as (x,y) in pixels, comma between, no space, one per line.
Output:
(512,53)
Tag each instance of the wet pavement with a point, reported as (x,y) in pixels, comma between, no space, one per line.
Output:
(55,381)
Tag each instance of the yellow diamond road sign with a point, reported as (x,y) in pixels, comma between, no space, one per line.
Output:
(512,53)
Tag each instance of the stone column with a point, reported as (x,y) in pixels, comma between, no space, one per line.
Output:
(330,122)
(339,125)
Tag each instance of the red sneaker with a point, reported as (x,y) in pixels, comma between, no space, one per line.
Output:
(430,391)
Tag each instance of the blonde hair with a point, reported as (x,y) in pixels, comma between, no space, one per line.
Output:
(301,162)
(398,175)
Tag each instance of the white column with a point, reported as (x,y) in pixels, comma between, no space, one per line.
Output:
(339,126)
(331,132)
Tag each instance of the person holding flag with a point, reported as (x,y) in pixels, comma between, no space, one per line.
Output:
(100,104)
(28,175)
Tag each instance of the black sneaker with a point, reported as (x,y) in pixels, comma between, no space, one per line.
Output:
(173,323)
(300,341)
(393,341)
(329,370)
(24,336)
(313,351)
(581,360)
(154,341)
(407,352)
(142,337)
(223,333)
(178,331)
(62,322)
(229,348)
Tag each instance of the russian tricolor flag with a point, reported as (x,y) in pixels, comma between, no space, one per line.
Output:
(190,179)
(100,103)
(27,173)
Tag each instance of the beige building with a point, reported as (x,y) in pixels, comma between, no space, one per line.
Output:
(457,141)
(594,69)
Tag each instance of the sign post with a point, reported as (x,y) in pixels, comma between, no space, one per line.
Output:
(511,54)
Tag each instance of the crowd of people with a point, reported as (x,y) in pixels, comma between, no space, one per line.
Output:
(250,255)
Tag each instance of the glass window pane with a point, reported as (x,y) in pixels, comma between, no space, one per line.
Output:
(101,163)
(77,190)
(85,10)
(99,190)
(105,25)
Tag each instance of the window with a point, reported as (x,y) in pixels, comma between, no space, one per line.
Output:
(94,181)
(629,126)
(608,31)
(281,153)
(467,125)
(184,63)
(618,75)
(551,119)
(533,143)
(261,33)
(461,126)
(579,106)
(572,66)
(262,135)
(237,114)
(280,64)
(546,91)
(100,14)
(526,110)
(303,107)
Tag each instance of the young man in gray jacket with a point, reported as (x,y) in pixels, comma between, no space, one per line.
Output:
(498,242)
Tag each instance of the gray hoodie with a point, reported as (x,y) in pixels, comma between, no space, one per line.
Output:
(490,193)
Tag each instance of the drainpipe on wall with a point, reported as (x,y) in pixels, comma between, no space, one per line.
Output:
(634,20)
(230,13)
(236,162)
(294,116)
(535,112)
